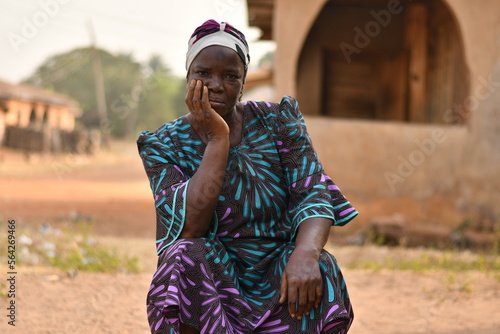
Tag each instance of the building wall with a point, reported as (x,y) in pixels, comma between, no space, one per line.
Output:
(430,173)
(20,114)
(2,126)
(414,170)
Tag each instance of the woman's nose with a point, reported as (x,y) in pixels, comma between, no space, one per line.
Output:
(214,83)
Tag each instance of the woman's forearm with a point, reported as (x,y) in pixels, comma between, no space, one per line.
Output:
(204,189)
(312,236)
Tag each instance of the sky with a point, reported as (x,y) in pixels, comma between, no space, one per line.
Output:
(33,30)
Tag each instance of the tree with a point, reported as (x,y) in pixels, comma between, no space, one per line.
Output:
(136,94)
(164,101)
(157,99)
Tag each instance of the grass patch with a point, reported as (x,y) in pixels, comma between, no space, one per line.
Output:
(3,290)
(70,248)
(452,261)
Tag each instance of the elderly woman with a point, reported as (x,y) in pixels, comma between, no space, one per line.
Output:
(243,206)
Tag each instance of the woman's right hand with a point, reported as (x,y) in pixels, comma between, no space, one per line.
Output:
(203,118)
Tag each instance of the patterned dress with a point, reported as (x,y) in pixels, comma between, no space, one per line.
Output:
(229,280)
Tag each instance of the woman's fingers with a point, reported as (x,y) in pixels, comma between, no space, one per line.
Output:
(190,94)
(311,300)
(319,294)
(194,96)
(284,288)
(293,301)
(301,297)
(205,102)
(302,302)
(306,300)
(198,88)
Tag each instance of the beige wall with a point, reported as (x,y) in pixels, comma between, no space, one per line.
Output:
(19,115)
(2,126)
(451,182)
(386,168)
(66,121)
(291,25)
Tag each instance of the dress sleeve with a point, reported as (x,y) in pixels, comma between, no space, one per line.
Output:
(168,183)
(312,192)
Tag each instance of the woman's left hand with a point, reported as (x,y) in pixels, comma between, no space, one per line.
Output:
(301,283)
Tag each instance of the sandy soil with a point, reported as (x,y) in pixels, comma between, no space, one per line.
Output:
(111,190)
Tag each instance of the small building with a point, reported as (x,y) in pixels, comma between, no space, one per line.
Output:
(28,106)
(401,98)
(36,120)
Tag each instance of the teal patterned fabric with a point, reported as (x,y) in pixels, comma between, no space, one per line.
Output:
(274,181)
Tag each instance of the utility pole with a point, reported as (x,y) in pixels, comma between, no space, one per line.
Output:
(99,87)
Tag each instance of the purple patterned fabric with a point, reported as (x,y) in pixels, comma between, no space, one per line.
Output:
(229,281)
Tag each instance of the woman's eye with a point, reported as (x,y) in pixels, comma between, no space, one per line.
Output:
(232,76)
(202,73)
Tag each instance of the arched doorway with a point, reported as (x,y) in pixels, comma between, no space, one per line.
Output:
(45,119)
(385,60)
(33,118)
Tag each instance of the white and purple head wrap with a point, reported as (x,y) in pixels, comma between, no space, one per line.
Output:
(214,33)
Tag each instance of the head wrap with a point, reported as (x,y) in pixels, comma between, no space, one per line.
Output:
(214,33)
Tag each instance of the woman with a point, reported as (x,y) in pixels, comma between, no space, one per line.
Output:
(243,208)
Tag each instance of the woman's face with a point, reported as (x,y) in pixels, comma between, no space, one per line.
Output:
(223,72)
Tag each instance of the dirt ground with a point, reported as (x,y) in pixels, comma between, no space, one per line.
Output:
(111,189)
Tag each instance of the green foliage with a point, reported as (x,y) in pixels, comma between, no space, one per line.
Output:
(138,96)
(72,248)
(85,253)
(453,284)
(163,102)
(3,290)
(96,259)
(447,261)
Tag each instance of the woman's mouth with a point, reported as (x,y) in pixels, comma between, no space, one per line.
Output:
(216,103)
